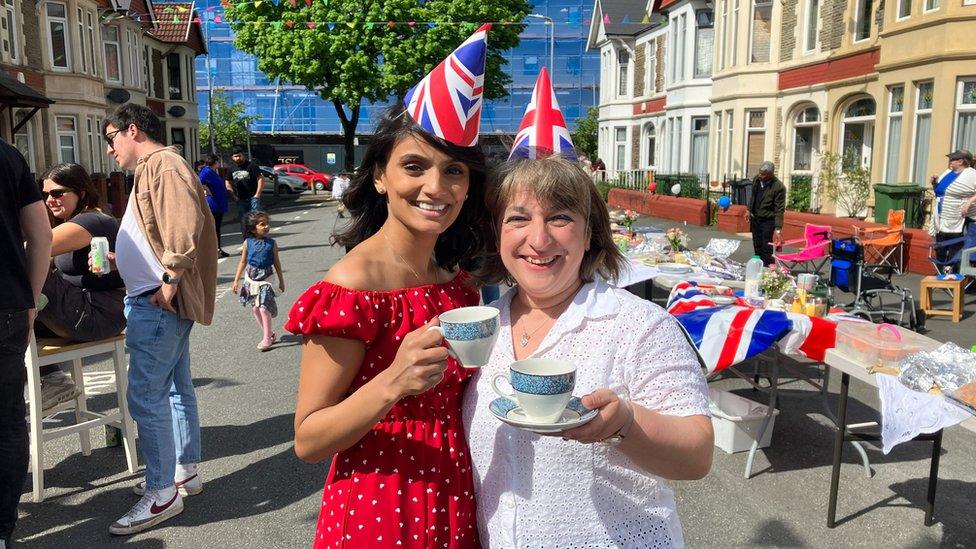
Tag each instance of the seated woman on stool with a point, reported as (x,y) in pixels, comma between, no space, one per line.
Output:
(81,306)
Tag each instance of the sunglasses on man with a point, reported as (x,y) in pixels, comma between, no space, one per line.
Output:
(110,137)
(55,193)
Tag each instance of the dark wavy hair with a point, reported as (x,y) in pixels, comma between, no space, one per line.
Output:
(140,115)
(251,220)
(75,177)
(461,244)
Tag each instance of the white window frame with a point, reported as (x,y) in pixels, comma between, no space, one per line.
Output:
(718,143)
(682,52)
(710,59)
(66,26)
(650,149)
(92,42)
(619,148)
(752,29)
(812,17)
(9,16)
(623,71)
(730,131)
(801,120)
(928,6)
(64,133)
(83,55)
(748,129)
(891,172)
(692,133)
(26,130)
(961,108)
(605,76)
(919,112)
(733,38)
(106,43)
(901,5)
(859,6)
(650,69)
(720,40)
(92,136)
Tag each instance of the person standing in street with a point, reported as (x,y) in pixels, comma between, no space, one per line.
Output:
(166,252)
(216,190)
(247,181)
(23,219)
(766,212)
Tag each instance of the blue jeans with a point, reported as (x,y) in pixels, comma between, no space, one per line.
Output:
(161,396)
(244,206)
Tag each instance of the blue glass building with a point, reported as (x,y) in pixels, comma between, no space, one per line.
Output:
(294,111)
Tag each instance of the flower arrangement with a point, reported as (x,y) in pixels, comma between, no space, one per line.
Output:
(776,281)
(676,238)
(629,217)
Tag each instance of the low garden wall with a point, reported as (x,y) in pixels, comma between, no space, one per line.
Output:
(692,210)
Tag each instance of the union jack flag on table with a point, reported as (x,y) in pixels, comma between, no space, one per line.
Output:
(447,102)
(543,131)
(728,335)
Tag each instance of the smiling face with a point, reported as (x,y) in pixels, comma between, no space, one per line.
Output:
(62,201)
(425,187)
(542,247)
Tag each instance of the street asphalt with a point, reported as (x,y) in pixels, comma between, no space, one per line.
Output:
(258,494)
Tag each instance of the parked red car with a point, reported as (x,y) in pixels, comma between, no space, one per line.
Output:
(321,181)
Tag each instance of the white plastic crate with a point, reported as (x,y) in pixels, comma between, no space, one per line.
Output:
(736,421)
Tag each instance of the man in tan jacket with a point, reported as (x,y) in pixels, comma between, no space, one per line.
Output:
(166,252)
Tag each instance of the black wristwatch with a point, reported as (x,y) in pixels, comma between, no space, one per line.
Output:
(167,279)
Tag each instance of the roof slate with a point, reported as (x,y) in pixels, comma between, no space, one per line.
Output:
(633,10)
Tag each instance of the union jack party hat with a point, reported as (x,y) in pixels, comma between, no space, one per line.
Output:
(543,131)
(447,102)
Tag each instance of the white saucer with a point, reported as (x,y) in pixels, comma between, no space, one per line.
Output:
(574,415)
(673,268)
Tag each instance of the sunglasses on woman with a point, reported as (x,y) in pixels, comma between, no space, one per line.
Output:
(55,193)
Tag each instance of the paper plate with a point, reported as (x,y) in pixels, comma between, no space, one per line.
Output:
(673,268)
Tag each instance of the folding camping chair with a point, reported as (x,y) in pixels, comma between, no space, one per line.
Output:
(882,243)
(814,250)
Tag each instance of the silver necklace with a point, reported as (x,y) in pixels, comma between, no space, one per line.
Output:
(526,335)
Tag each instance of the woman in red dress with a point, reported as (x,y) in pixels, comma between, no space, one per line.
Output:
(377,392)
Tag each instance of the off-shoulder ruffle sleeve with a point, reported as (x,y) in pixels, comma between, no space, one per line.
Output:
(331,310)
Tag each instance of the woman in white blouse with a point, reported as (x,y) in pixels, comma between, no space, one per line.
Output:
(602,484)
(955,196)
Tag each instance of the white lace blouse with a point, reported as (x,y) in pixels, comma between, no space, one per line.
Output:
(536,491)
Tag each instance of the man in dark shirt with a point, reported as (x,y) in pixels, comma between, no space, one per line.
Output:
(766,211)
(23,219)
(247,181)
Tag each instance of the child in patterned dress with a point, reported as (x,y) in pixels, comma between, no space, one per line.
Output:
(259,261)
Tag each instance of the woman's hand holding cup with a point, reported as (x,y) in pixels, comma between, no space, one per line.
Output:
(615,414)
(420,362)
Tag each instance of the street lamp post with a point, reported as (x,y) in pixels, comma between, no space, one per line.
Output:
(552,39)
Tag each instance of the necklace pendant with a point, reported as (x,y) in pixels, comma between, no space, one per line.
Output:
(524,340)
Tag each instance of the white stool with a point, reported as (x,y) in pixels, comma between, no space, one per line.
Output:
(54,351)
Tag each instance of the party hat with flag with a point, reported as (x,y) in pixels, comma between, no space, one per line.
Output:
(447,102)
(543,131)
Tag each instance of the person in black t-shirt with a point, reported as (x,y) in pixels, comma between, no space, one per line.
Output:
(247,181)
(82,306)
(22,269)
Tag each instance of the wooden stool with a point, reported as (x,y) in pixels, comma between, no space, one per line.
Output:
(954,287)
(53,351)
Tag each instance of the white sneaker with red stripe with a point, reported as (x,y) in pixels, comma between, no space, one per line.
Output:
(189,486)
(153,508)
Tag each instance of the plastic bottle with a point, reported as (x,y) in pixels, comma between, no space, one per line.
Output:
(754,268)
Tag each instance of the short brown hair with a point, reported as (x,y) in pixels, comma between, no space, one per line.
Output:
(559,183)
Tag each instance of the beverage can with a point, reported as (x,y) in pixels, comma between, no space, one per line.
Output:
(99,256)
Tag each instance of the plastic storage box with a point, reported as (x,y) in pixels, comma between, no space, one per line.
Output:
(879,345)
(736,421)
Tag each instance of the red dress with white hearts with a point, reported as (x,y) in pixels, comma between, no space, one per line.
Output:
(407,482)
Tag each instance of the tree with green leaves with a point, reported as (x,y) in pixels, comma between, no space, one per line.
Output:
(586,134)
(230,124)
(351,51)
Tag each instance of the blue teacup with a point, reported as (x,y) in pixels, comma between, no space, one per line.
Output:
(542,387)
(470,333)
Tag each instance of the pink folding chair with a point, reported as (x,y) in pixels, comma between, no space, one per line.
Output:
(814,250)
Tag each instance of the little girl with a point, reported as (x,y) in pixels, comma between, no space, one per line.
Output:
(260,253)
